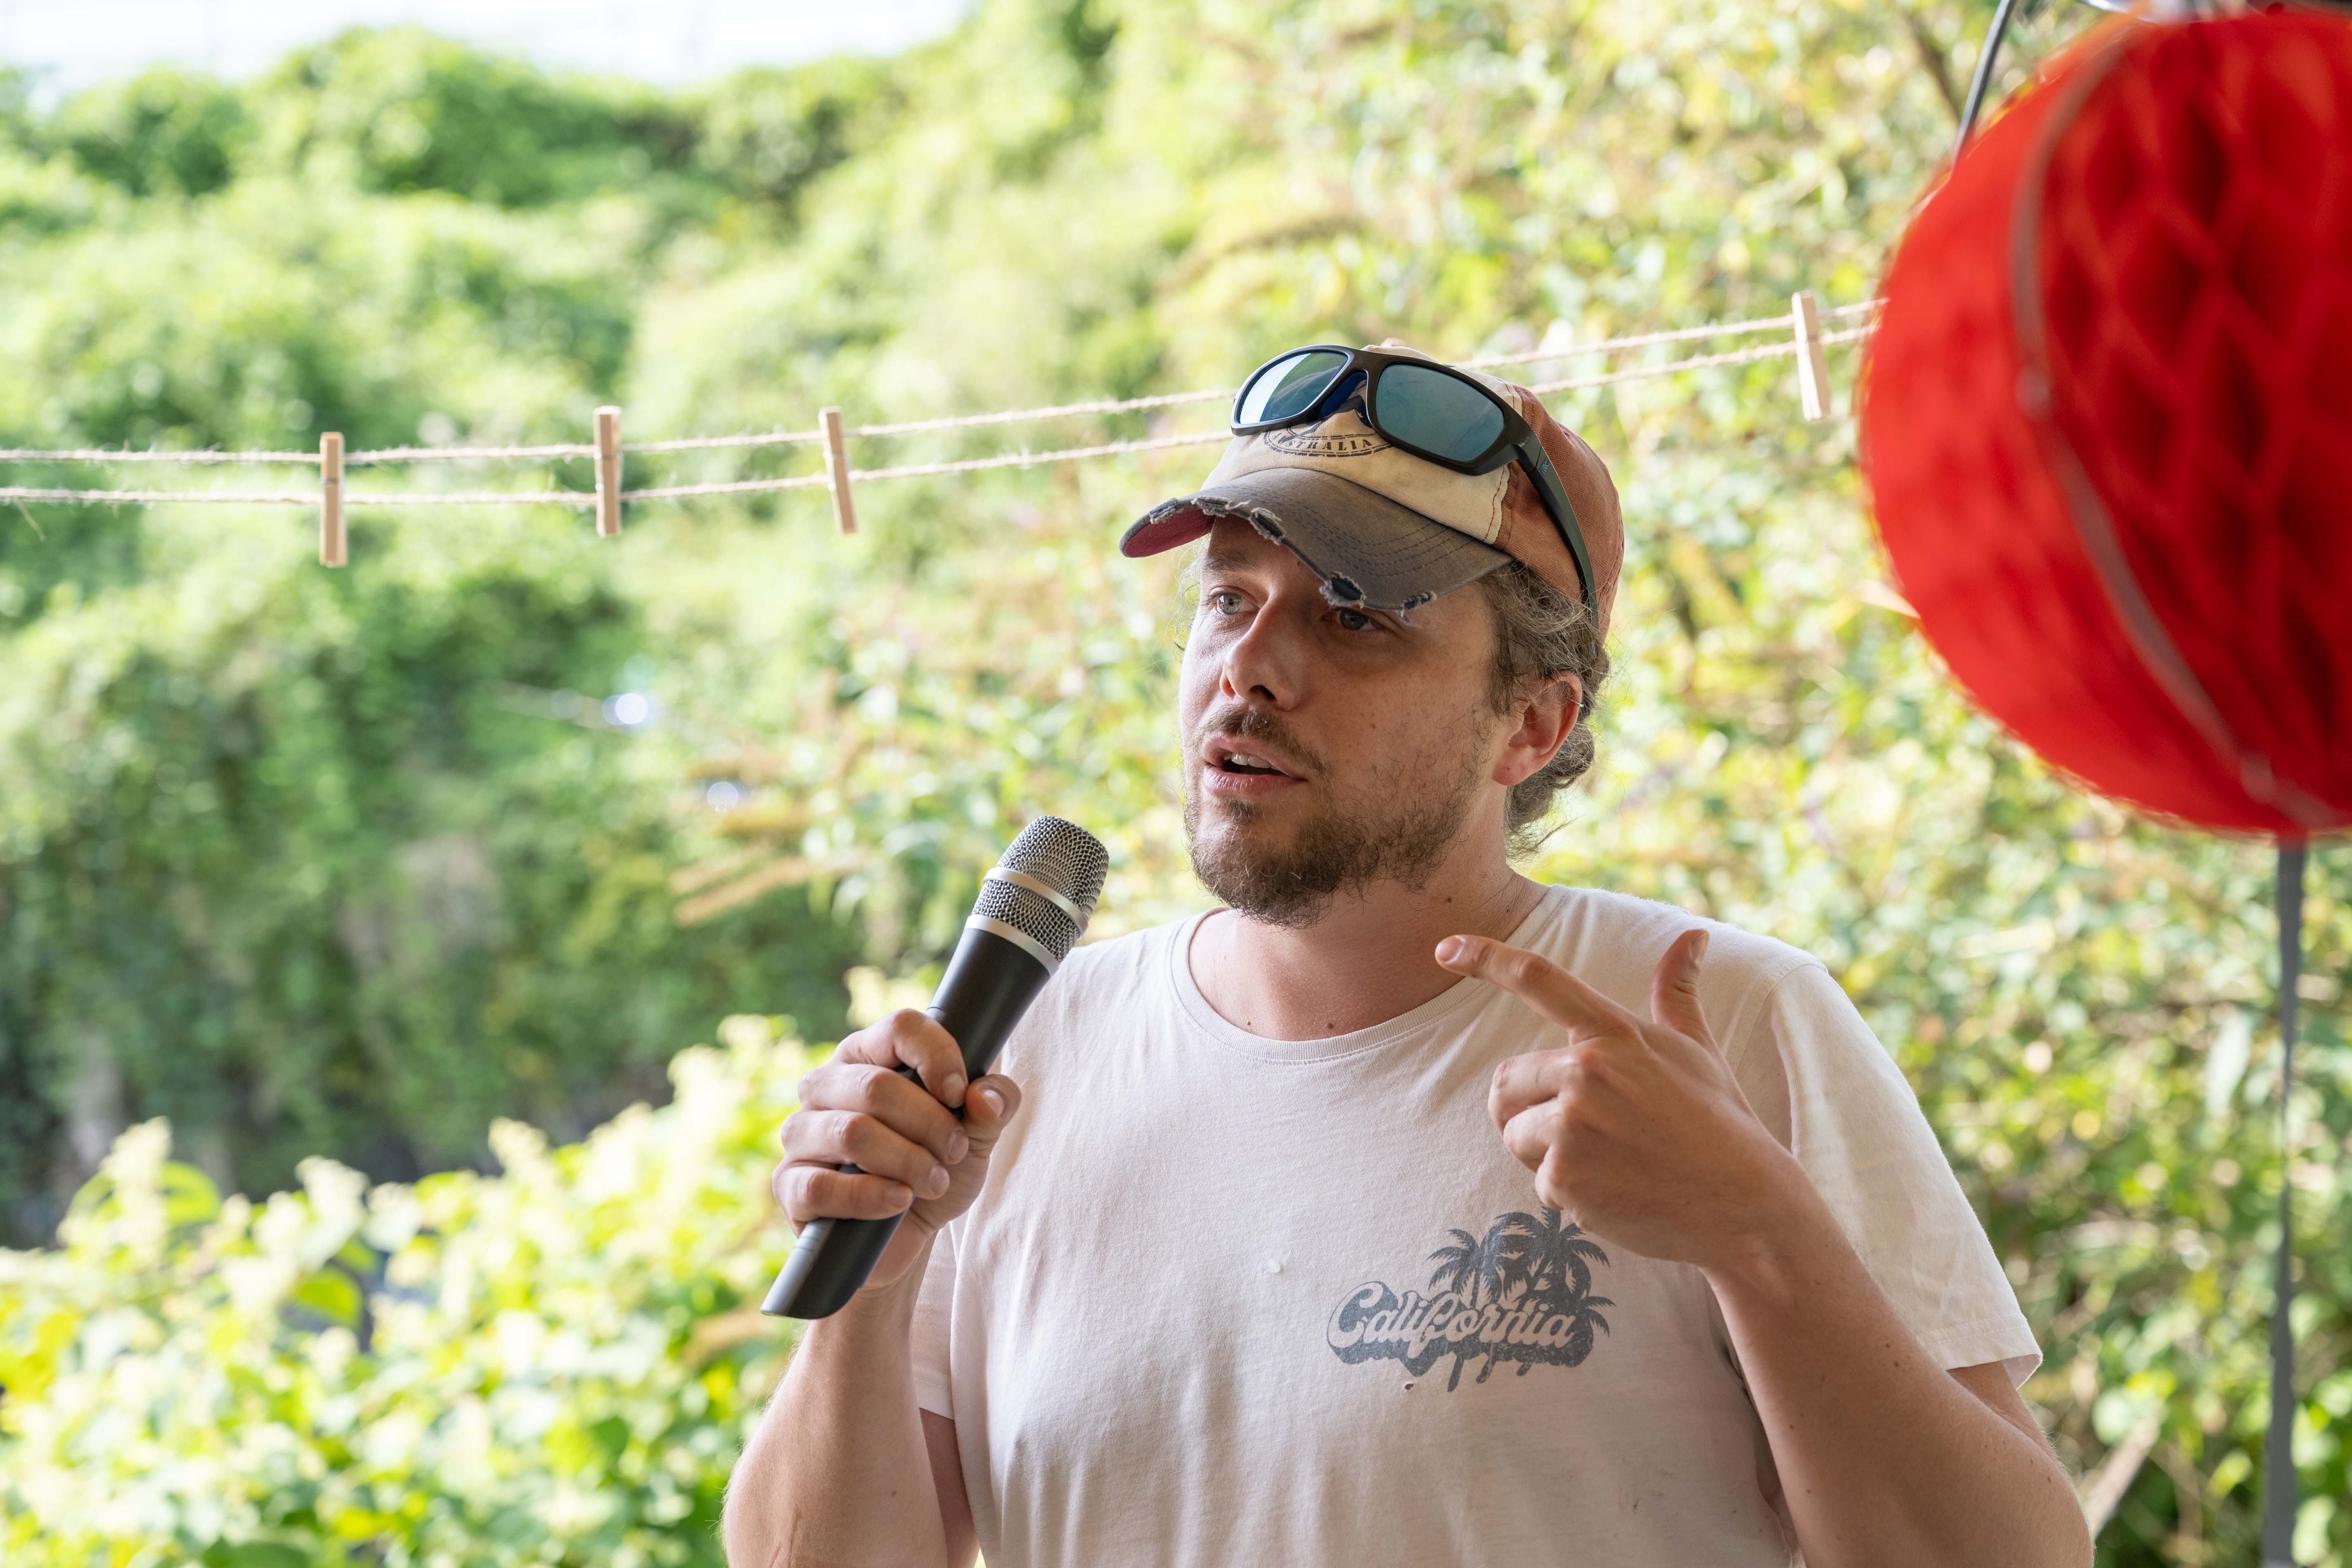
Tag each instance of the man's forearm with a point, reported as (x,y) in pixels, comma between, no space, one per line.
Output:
(837,1472)
(1884,1456)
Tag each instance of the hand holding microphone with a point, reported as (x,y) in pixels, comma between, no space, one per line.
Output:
(900,1136)
(877,1138)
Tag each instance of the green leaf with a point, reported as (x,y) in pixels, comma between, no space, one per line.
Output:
(331,1294)
(255,1554)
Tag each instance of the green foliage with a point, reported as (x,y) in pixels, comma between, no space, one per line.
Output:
(315,862)
(1062,201)
(766,133)
(15,99)
(161,131)
(297,311)
(242,796)
(402,111)
(555,1365)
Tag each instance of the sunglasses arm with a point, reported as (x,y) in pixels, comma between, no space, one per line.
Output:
(1563,514)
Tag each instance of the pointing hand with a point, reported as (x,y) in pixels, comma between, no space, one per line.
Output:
(1634,1128)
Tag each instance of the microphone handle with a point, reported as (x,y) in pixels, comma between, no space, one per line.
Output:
(989,983)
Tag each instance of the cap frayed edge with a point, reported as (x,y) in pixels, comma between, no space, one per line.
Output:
(1349,597)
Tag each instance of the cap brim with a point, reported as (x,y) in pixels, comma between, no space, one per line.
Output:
(1367,549)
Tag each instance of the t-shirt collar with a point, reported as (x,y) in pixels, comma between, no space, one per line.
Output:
(1456,1001)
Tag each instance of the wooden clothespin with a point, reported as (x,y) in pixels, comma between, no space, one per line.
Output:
(1813,365)
(331,545)
(836,468)
(608,471)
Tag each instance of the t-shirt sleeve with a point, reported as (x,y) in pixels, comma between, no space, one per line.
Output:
(932,1389)
(1827,1089)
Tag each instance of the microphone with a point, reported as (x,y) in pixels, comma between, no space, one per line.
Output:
(1033,907)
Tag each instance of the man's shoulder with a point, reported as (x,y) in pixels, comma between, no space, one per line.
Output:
(1615,940)
(1125,953)
(1115,968)
(1107,988)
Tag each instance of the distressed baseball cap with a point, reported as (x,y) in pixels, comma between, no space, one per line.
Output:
(1390,530)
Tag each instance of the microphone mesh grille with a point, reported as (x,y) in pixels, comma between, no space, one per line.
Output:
(1067,858)
(1030,915)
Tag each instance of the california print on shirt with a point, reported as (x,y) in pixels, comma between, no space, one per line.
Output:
(1522,1292)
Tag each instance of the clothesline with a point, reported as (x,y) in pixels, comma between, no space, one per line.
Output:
(589,499)
(1806,341)
(378,456)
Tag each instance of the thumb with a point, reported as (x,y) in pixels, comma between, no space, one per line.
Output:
(988,1106)
(1674,989)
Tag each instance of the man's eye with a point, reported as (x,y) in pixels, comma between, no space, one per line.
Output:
(1356,621)
(1225,602)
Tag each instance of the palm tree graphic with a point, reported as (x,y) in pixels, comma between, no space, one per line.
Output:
(1563,1255)
(1480,1270)
(1545,1256)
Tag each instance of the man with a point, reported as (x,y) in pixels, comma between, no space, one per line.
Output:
(1235,1260)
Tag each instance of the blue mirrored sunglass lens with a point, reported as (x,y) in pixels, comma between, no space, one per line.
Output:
(1437,413)
(1287,387)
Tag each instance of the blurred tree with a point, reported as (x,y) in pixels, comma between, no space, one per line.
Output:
(471,918)
(162,131)
(765,134)
(399,109)
(342,862)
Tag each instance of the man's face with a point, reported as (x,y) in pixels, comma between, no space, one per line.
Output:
(1326,747)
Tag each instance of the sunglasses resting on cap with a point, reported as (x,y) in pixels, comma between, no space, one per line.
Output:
(1396,478)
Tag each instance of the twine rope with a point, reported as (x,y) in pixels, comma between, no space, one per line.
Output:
(381,454)
(587,499)
(1736,357)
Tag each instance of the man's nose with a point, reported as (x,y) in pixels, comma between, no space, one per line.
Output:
(1264,664)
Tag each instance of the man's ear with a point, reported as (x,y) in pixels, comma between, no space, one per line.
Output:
(1546,715)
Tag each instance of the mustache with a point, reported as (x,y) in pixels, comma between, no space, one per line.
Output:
(1257,724)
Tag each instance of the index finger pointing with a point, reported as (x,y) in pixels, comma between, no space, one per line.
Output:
(1541,983)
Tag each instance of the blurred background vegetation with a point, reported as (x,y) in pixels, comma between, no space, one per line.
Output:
(329,872)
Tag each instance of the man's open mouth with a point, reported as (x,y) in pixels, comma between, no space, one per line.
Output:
(1228,755)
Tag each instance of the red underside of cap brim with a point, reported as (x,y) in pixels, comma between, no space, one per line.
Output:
(1157,535)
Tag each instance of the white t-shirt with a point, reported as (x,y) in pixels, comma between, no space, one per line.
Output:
(1228,1299)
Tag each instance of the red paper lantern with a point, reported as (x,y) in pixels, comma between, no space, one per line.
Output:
(2107,419)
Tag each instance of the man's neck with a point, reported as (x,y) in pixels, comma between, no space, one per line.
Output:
(1366,960)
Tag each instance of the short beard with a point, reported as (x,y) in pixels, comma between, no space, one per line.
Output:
(1337,851)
